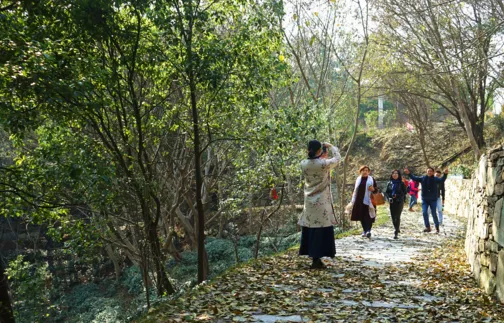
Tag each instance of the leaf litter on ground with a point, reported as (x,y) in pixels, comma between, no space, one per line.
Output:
(437,286)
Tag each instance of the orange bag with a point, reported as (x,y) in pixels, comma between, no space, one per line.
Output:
(377,199)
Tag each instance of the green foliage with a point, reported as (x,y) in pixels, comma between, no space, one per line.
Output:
(462,169)
(498,122)
(132,280)
(389,117)
(362,141)
(30,285)
(219,249)
(221,254)
(371,118)
(87,303)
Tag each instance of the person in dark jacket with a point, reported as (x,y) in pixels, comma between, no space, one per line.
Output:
(440,198)
(395,194)
(429,194)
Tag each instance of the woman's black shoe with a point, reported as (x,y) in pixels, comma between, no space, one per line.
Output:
(317,264)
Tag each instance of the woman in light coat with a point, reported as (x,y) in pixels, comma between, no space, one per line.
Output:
(318,218)
(361,201)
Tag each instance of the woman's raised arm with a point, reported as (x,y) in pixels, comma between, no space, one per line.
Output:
(336,156)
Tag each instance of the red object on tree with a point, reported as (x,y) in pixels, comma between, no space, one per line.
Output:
(274,194)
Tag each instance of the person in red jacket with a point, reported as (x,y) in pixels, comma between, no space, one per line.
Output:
(413,192)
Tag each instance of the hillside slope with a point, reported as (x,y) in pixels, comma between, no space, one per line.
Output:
(386,149)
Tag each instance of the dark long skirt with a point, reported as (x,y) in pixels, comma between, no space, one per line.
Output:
(317,242)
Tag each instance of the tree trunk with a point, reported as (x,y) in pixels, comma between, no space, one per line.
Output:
(6,313)
(470,131)
(202,269)
(421,135)
(187,227)
(163,284)
(235,245)
(258,237)
(145,277)
(113,258)
(478,126)
(347,155)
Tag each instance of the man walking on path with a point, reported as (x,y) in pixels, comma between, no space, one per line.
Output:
(429,194)
(440,197)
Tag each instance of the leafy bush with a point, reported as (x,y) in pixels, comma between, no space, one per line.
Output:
(187,269)
(362,140)
(463,170)
(389,117)
(371,118)
(247,242)
(84,304)
(219,249)
(498,122)
(132,280)
(31,287)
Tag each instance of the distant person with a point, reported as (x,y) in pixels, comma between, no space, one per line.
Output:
(395,194)
(413,188)
(361,200)
(429,195)
(440,197)
(318,217)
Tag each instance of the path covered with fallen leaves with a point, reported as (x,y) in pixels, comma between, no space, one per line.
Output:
(422,277)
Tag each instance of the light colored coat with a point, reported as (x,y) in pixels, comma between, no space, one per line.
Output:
(367,194)
(318,210)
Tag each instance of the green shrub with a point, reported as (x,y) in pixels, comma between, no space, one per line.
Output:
(371,118)
(462,169)
(187,269)
(219,249)
(498,122)
(389,117)
(362,141)
(247,242)
(31,287)
(132,280)
(91,307)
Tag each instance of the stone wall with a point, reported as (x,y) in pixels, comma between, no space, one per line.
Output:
(480,201)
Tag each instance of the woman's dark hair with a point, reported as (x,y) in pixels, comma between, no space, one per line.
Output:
(398,173)
(430,168)
(313,147)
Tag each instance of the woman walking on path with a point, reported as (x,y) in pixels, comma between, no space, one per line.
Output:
(395,194)
(413,192)
(361,200)
(318,218)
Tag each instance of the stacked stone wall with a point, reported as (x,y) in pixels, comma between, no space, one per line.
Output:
(480,200)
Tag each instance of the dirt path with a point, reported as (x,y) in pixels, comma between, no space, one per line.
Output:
(422,277)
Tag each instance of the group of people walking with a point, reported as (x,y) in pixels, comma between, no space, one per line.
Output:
(318,217)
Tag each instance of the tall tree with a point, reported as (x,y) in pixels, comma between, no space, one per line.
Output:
(107,107)
(450,44)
